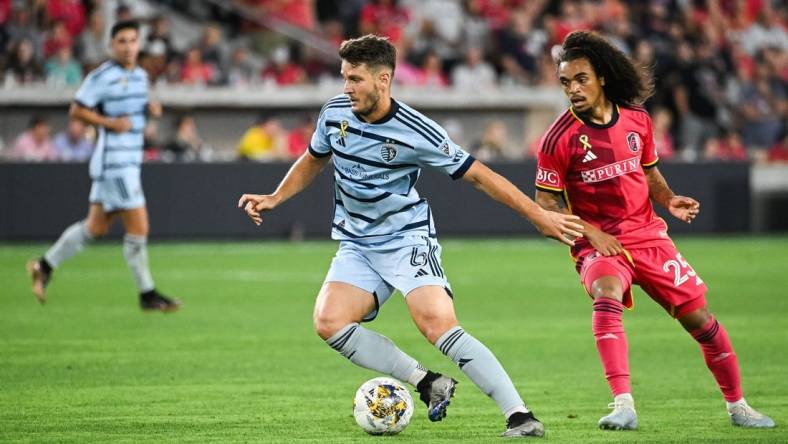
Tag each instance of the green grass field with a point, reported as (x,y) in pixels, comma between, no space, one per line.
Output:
(240,362)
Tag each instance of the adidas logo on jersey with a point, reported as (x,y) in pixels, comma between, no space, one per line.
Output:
(589,156)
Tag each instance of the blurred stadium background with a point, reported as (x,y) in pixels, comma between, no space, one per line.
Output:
(241,83)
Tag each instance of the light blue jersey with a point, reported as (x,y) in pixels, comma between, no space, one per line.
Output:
(115,92)
(376,166)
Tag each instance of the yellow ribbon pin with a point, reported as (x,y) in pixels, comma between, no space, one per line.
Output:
(584,141)
(343,128)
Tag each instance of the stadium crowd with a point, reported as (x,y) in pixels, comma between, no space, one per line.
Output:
(721,66)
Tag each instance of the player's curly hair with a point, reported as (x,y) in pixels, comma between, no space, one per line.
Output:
(370,49)
(625,82)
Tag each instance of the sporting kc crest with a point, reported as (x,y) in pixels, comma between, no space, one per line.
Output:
(388,152)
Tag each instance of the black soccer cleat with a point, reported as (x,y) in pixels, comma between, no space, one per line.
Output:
(40,273)
(155,301)
(436,391)
(520,425)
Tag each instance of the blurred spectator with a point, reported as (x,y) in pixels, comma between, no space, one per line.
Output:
(475,74)
(92,43)
(34,145)
(298,139)
(212,49)
(432,72)
(61,69)
(186,142)
(22,67)
(22,26)
(263,142)
(764,109)
(778,153)
(520,46)
(283,70)
(154,61)
(493,143)
(195,71)
(72,145)
(767,31)
(384,18)
(160,35)
(294,12)
(242,72)
(728,147)
(57,38)
(70,12)
(406,73)
(661,122)
(151,145)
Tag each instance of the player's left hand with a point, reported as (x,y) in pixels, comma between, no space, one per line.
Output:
(561,227)
(154,108)
(684,208)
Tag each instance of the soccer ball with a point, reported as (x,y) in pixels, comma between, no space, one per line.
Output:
(382,406)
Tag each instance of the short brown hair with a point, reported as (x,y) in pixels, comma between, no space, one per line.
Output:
(370,49)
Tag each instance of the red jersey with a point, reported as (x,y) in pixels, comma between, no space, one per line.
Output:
(599,169)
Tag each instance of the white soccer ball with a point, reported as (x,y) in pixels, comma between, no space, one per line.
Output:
(383,406)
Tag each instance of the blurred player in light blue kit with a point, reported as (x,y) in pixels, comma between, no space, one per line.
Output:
(387,235)
(114,98)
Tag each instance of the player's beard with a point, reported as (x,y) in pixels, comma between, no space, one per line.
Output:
(374,100)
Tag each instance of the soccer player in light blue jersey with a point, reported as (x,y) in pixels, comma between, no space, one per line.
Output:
(387,236)
(114,98)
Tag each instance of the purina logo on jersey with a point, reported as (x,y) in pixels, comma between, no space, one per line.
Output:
(611,171)
(633,141)
(388,152)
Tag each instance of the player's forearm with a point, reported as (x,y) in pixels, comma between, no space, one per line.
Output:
(501,190)
(301,174)
(89,116)
(658,189)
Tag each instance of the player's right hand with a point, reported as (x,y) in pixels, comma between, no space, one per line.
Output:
(561,227)
(255,204)
(604,243)
(119,124)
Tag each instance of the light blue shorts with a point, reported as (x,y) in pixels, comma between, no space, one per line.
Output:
(119,192)
(403,264)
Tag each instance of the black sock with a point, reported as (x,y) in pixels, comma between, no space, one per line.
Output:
(148,294)
(517,418)
(424,385)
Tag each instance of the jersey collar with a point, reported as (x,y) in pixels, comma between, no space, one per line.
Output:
(390,115)
(588,122)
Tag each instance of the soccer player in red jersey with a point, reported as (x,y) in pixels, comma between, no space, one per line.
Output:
(598,161)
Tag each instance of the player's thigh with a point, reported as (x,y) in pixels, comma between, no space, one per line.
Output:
(432,310)
(135,220)
(98,220)
(607,277)
(339,304)
(667,277)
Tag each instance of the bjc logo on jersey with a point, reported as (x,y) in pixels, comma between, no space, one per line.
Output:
(547,177)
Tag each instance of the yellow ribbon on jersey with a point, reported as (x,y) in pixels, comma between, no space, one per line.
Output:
(343,128)
(584,141)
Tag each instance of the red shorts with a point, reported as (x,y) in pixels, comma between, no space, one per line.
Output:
(660,271)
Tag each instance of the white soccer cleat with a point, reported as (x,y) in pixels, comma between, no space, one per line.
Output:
(742,415)
(623,416)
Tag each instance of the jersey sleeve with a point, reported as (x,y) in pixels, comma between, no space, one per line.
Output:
(319,146)
(649,158)
(445,156)
(551,167)
(90,92)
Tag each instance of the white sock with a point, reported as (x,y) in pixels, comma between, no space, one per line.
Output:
(732,405)
(71,242)
(625,398)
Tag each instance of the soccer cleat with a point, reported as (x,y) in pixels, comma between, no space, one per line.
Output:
(742,415)
(155,301)
(623,417)
(521,424)
(40,274)
(436,391)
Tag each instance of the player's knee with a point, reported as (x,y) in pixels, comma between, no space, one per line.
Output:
(696,319)
(97,230)
(327,325)
(607,288)
(434,327)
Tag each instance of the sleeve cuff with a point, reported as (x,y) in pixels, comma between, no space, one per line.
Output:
(317,153)
(549,189)
(650,165)
(463,168)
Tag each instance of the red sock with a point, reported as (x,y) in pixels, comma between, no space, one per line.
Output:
(611,342)
(720,358)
